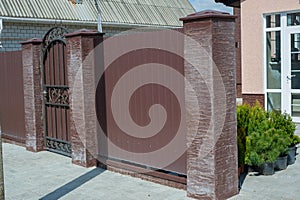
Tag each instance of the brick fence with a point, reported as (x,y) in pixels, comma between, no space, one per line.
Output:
(210,60)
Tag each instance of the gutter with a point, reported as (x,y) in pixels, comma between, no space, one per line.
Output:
(77,22)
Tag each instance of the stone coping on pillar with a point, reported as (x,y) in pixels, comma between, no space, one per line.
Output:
(32,41)
(84,32)
(207,14)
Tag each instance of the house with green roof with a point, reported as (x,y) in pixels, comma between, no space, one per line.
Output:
(24,19)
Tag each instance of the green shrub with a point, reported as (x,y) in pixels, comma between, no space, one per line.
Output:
(262,147)
(282,140)
(242,112)
(263,135)
(257,119)
(242,127)
(241,143)
(282,121)
(295,140)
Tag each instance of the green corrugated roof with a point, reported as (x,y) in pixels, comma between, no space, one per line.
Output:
(145,12)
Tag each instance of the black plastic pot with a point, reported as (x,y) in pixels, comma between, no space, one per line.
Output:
(267,168)
(291,155)
(281,163)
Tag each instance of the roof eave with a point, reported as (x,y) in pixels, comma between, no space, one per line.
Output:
(231,3)
(85,23)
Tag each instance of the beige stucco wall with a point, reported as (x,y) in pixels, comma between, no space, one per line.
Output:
(252,39)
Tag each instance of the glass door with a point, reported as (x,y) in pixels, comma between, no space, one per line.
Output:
(292,72)
(282,58)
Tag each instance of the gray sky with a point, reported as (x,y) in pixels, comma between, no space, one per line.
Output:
(209,5)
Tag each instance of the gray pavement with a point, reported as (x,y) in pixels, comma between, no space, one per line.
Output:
(283,185)
(48,176)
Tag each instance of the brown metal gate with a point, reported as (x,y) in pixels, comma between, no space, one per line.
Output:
(129,149)
(56,97)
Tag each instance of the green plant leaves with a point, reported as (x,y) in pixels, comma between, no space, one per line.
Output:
(263,135)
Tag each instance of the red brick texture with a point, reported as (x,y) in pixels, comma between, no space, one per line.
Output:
(81,78)
(252,98)
(212,155)
(31,52)
(237,12)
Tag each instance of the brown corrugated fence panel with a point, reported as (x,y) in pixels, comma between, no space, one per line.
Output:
(12,96)
(144,98)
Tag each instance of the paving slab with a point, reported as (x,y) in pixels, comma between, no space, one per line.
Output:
(50,176)
(283,185)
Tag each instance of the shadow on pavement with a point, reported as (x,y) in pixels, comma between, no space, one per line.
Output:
(72,185)
(242,179)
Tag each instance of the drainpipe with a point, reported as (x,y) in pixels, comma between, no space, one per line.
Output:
(99,16)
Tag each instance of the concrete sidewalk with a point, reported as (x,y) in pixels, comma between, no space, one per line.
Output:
(283,185)
(49,176)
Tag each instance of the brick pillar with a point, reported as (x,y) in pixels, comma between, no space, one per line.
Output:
(212,154)
(82,83)
(237,12)
(32,78)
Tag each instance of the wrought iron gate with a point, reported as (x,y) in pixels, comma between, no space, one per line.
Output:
(56,97)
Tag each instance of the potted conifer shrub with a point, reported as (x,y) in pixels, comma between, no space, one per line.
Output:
(283,143)
(292,149)
(279,121)
(286,124)
(262,149)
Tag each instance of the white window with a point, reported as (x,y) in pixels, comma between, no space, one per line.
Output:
(1,27)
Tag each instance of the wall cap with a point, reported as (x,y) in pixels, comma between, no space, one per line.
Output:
(207,14)
(32,41)
(84,32)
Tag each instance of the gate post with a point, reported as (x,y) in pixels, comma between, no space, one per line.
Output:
(212,154)
(32,79)
(81,62)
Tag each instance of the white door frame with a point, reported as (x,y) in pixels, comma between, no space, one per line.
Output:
(286,89)
(286,75)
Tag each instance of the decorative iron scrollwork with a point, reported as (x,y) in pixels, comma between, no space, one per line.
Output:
(55,33)
(58,96)
(59,146)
